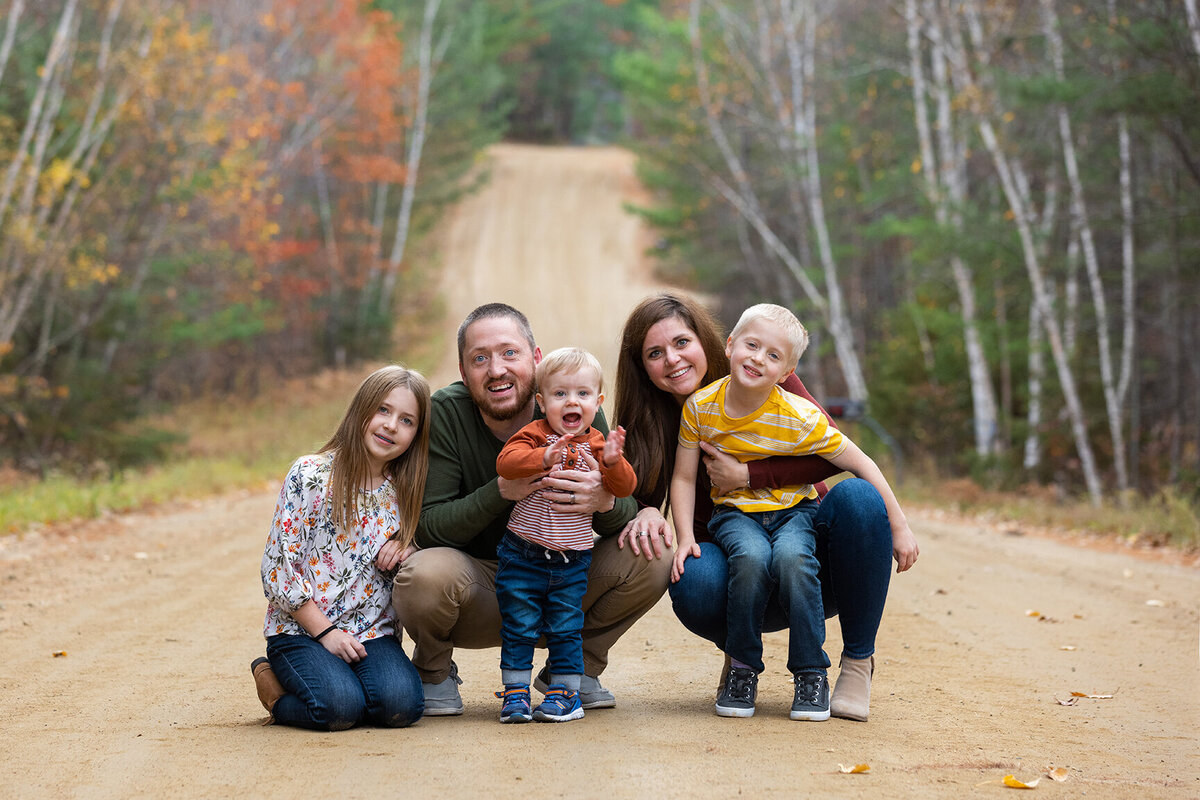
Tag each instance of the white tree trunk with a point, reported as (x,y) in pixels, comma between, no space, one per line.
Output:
(944,186)
(1091,261)
(427,64)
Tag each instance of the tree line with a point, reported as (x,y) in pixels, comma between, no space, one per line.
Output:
(986,212)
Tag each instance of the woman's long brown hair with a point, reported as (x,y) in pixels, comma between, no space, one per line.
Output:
(651,416)
(351,464)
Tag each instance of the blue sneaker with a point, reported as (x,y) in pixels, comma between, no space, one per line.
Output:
(516,703)
(559,705)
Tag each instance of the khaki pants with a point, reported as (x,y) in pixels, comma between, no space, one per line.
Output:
(446,599)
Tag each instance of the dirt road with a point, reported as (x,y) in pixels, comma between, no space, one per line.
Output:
(158,616)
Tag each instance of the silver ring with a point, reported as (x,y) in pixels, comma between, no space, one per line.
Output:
(643,533)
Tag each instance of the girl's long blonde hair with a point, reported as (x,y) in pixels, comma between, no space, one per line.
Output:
(407,471)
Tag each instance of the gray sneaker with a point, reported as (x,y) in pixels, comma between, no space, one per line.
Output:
(442,699)
(591,693)
(811,701)
(738,694)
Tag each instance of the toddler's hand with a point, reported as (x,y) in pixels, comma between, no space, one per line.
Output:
(614,446)
(554,452)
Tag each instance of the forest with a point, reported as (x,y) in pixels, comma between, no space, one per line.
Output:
(986,211)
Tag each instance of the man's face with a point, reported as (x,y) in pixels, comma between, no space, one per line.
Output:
(497,368)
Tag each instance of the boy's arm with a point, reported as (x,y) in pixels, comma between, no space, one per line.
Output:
(683,506)
(904,542)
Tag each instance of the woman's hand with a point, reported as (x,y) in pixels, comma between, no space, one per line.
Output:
(575,492)
(647,534)
(904,547)
(685,551)
(725,472)
(344,646)
(392,555)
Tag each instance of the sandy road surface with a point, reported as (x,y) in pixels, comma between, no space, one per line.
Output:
(159,616)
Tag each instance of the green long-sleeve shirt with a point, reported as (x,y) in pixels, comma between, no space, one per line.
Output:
(462,506)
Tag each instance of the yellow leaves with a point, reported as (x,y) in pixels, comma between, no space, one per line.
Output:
(916,166)
(854,769)
(1013,783)
(1009,116)
(5,349)
(1075,697)
(59,654)
(87,269)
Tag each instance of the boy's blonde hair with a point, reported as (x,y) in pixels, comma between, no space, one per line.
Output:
(792,329)
(568,359)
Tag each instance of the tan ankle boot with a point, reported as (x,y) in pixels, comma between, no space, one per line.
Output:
(852,693)
(724,674)
(266,684)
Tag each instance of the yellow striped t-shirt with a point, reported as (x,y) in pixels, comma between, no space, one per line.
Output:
(785,425)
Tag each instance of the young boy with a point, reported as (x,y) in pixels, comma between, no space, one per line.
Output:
(545,554)
(768,534)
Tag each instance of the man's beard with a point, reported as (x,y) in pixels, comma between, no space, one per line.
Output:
(485,403)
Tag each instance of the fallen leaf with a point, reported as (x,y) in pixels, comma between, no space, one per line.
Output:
(1029,612)
(1013,783)
(59,654)
(1092,696)
(140,556)
(1067,647)
(854,770)
(1057,774)
(1155,603)
(938,591)
(1070,701)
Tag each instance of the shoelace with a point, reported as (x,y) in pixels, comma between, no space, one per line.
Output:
(808,688)
(739,685)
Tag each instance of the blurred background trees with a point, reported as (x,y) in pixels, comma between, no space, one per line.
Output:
(988,213)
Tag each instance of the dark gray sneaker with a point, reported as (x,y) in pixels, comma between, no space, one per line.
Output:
(738,694)
(811,701)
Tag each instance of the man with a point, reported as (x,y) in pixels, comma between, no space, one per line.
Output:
(445,593)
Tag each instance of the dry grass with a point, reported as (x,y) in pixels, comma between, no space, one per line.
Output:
(1166,519)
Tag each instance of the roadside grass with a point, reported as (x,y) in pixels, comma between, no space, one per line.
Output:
(228,444)
(1167,518)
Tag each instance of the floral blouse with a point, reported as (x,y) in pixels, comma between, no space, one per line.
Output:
(308,557)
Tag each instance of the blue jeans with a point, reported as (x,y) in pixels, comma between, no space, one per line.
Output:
(540,596)
(325,693)
(772,551)
(854,548)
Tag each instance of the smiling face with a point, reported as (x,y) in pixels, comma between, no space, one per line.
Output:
(497,368)
(570,400)
(760,356)
(674,358)
(391,429)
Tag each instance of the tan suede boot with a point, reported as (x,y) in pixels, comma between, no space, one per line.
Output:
(852,693)
(266,684)
(724,674)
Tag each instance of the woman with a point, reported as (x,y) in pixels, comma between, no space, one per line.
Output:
(670,347)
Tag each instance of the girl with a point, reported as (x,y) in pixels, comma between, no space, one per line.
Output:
(344,517)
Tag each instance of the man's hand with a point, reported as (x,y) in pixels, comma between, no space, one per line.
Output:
(575,492)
